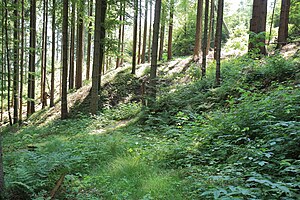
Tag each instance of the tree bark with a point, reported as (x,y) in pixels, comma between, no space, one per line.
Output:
(121,17)
(140,32)
(64,100)
(16,64)
(123,35)
(154,56)
(44,56)
(53,55)
(72,47)
(204,46)
(145,33)
(283,23)
(150,32)
(258,26)
(31,71)
(21,64)
(99,36)
(272,19)
(162,33)
(3,63)
(211,24)
(134,36)
(218,40)
(88,59)
(2,183)
(170,30)
(80,45)
(198,37)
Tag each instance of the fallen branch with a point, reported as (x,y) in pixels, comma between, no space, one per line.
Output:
(57,186)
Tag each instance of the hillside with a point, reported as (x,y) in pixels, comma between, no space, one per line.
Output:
(237,141)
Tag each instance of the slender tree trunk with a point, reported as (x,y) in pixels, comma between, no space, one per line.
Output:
(123,35)
(271,25)
(16,64)
(211,24)
(53,55)
(8,63)
(80,45)
(134,36)
(258,26)
(198,37)
(204,46)
(154,56)
(72,47)
(31,72)
(88,59)
(2,64)
(120,35)
(64,101)
(140,31)
(162,34)
(44,56)
(283,23)
(145,33)
(99,36)
(150,32)
(2,183)
(21,64)
(170,30)
(218,40)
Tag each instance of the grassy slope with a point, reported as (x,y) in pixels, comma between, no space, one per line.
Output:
(240,140)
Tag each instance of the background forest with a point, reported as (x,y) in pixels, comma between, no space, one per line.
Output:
(143,99)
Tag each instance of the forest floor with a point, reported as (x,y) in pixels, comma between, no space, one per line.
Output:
(237,141)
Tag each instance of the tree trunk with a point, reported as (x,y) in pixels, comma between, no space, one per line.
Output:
(150,32)
(162,34)
(283,23)
(145,33)
(80,45)
(64,101)
(1,170)
(2,64)
(88,59)
(140,32)
(204,46)
(120,35)
(31,71)
(258,27)
(134,36)
(211,24)
(99,36)
(72,47)
(153,81)
(44,56)
(198,31)
(16,64)
(53,56)
(170,30)
(218,40)
(123,35)
(22,63)
(272,19)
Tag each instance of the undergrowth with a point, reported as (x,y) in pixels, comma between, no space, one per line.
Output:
(237,141)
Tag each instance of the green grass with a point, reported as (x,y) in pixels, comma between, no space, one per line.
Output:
(237,141)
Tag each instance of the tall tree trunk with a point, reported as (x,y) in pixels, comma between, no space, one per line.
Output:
(53,55)
(272,19)
(258,26)
(218,40)
(134,36)
(120,35)
(22,63)
(150,32)
(64,100)
(204,46)
(44,56)
(140,32)
(283,23)
(8,63)
(145,33)
(16,63)
(154,56)
(211,24)
(72,47)
(2,64)
(162,33)
(198,37)
(123,35)
(31,71)
(1,170)
(80,45)
(170,30)
(99,36)
(88,59)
